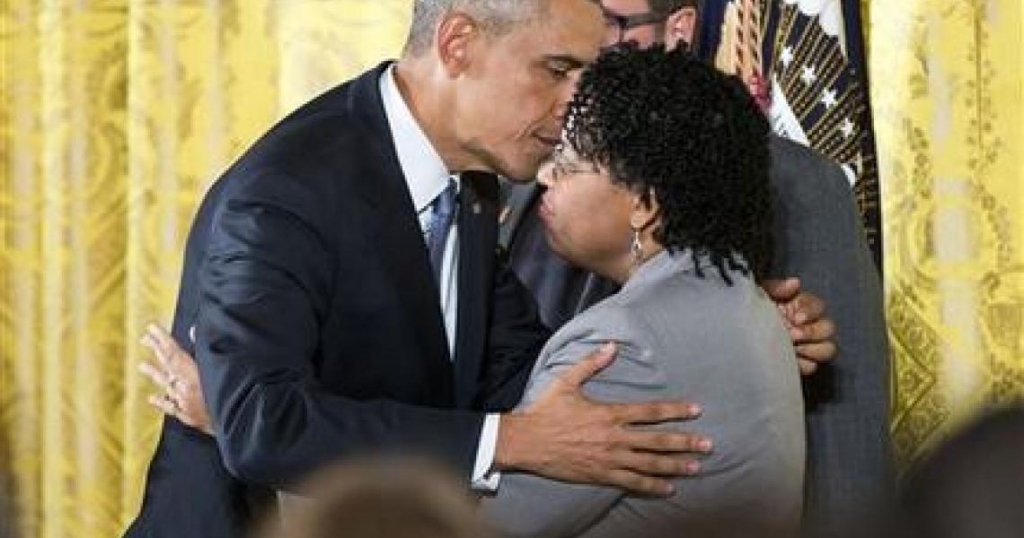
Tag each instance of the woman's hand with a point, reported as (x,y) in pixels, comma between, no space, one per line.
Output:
(176,373)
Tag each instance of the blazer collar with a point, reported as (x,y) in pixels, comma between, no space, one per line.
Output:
(662,265)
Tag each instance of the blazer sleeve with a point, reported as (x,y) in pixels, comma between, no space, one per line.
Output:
(266,285)
(528,505)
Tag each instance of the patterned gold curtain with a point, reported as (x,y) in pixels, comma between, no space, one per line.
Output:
(948,90)
(117,114)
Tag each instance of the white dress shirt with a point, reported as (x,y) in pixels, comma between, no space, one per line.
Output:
(427,176)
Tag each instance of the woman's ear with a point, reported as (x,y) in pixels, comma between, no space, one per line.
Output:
(456,35)
(645,210)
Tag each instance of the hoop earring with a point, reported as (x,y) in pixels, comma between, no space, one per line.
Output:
(636,248)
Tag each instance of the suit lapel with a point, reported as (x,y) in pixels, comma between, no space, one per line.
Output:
(477,242)
(400,243)
(393,226)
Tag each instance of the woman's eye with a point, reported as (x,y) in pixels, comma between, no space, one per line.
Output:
(559,71)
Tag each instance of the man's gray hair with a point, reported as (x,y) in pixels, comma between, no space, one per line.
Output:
(496,17)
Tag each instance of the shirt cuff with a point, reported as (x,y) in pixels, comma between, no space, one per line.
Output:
(484,479)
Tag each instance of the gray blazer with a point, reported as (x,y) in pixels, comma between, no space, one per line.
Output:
(818,238)
(680,336)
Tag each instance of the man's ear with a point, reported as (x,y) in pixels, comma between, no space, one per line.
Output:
(681,27)
(456,36)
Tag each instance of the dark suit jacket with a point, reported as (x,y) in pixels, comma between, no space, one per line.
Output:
(319,330)
(818,238)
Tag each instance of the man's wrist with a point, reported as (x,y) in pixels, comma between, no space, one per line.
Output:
(507,454)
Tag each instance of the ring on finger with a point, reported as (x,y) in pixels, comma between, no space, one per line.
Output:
(172,402)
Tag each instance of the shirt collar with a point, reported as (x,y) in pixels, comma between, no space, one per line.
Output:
(425,172)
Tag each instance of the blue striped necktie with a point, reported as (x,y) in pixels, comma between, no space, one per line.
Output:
(445,209)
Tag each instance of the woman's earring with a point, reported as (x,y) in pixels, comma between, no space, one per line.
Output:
(636,249)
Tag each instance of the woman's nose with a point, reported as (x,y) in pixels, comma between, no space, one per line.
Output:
(544,175)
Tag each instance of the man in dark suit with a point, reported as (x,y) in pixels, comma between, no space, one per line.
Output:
(820,240)
(331,321)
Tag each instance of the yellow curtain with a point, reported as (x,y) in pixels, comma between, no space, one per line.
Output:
(948,100)
(117,114)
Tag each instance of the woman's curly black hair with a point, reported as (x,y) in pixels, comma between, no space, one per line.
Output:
(669,125)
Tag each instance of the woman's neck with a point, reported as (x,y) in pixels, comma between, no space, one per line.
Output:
(626,268)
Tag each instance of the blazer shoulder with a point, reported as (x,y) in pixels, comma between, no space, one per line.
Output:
(343,128)
(614,320)
(329,148)
(634,372)
(611,319)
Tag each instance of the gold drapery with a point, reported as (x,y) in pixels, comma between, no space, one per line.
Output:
(948,102)
(116,115)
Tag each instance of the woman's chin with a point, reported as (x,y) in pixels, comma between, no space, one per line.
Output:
(556,246)
(566,254)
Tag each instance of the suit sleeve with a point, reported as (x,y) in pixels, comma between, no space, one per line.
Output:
(529,505)
(822,242)
(266,285)
(515,337)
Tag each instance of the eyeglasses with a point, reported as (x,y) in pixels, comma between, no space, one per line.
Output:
(623,23)
(561,167)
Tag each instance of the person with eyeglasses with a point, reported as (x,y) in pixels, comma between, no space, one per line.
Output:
(661,186)
(820,240)
(563,290)
(345,295)
(342,283)
(673,22)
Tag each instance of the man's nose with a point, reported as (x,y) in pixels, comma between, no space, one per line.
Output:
(567,91)
(561,110)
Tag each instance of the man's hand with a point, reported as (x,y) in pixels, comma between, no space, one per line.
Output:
(804,316)
(177,375)
(566,436)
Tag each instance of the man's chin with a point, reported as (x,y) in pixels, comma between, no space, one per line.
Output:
(518,174)
(521,180)
(519,170)
(507,173)
(525,172)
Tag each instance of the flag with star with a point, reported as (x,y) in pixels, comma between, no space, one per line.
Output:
(804,59)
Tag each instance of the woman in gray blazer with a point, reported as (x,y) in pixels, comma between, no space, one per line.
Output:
(662,186)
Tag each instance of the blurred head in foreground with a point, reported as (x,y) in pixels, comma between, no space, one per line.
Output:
(973,485)
(380,498)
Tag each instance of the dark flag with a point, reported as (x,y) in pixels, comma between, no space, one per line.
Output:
(804,60)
